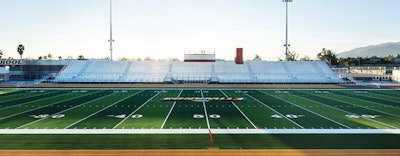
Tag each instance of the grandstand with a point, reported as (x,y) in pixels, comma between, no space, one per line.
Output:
(104,71)
(172,72)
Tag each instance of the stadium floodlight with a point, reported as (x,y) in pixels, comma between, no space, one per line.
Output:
(286,43)
(111,40)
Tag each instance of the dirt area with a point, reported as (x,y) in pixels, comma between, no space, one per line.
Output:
(213,151)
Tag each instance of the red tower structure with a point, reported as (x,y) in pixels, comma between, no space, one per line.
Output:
(239,56)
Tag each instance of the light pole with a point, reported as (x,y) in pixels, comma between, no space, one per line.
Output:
(286,43)
(111,40)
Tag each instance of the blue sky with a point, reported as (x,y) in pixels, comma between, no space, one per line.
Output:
(168,28)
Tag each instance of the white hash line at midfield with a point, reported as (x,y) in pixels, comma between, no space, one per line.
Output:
(63,110)
(205,110)
(42,107)
(244,115)
(169,113)
(344,111)
(102,110)
(127,117)
(310,111)
(284,116)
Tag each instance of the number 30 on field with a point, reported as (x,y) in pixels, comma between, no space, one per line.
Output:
(290,116)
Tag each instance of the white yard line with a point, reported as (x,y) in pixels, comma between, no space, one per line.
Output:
(33,101)
(360,106)
(65,110)
(205,112)
(310,111)
(41,107)
(375,97)
(369,101)
(102,110)
(199,131)
(127,117)
(169,113)
(244,115)
(344,111)
(27,96)
(284,116)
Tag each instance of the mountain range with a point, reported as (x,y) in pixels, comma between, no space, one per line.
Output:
(381,50)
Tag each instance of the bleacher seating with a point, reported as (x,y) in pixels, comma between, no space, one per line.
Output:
(229,72)
(191,71)
(151,72)
(105,71)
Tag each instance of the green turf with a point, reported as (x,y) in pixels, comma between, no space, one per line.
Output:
(298,108)
(154,112)
(75,115)
(90,141)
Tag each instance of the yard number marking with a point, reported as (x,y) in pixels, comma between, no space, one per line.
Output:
(291,116)
(367,116)
(42,116)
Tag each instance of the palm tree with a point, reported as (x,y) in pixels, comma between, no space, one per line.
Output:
(21,49)
(1,54)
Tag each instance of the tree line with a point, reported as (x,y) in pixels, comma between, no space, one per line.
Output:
(325,55)
(332,58)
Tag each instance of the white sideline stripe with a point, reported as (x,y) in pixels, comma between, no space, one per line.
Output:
(284,116)
(345,111)
(101,110)
(315,113)
(169,113)
(205,112)
(127,117)
(244,115)
(199,131)
(65,110)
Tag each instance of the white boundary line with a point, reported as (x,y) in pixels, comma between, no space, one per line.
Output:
(199,131)
(169,113)
(127,117)
(244,115)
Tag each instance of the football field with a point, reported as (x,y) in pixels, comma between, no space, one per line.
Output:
(200,114)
